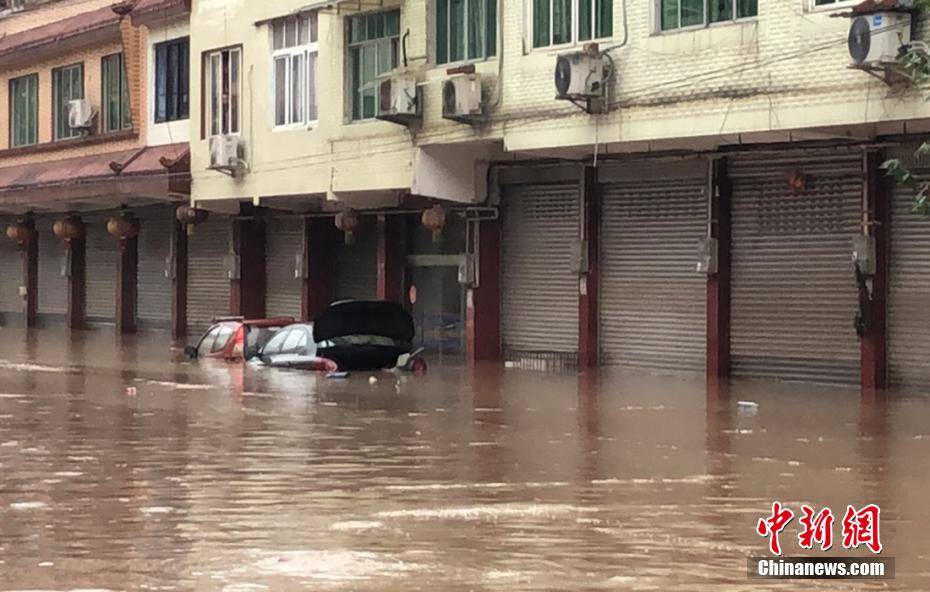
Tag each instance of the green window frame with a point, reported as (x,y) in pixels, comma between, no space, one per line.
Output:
(681,14)
(374,42)
(116,114)
(560,22)
(67,85)
(24,110)
(465,30)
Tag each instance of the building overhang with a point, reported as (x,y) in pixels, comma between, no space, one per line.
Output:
(132,177)
(152,13)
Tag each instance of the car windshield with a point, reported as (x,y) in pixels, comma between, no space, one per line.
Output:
(223,334)
(257,337)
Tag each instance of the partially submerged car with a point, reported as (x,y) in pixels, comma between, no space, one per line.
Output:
(293,347)
(236,338)
(367,335)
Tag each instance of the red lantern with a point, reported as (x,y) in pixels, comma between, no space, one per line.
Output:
(123,227)
(435,219)
(20,234)
(347,221)
(189,216)
(69,229)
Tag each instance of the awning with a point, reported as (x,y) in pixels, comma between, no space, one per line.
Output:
(358,5)
(141,175)
(59,37)
(155,12)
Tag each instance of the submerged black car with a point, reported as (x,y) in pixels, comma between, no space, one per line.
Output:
(367,335)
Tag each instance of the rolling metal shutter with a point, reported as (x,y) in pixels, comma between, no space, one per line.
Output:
(102,255)
(652,302)
(53,286)
(284,238)
(357,264)
(539,307)
(207,282)
(156,233)
(11,278)
(794,296)
(909,285)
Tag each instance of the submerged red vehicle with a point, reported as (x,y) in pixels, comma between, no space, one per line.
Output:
(236,338)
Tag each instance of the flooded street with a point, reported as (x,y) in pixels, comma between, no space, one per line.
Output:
(220,477)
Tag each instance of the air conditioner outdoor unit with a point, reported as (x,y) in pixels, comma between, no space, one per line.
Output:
(877,39)
(399,99)
(80,114)
(461,98)
(227,154)
(580,75)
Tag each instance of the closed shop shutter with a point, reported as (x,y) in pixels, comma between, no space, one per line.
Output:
(11,277)
(539,308)
(53,286)
(284,238)
(652,302)
(102,267)
(156,232)
(794,296)
(207,282)
(357,264)
(909,286)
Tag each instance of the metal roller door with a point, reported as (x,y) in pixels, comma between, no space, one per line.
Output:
(156,232)
(909,286)
(794,295)
(652,311)
(102,256)
(53,286)
(11,278)
(284,239)
(357,264)
(207,282)
(539,307)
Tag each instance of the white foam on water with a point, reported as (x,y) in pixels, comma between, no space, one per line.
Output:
(11,396)
(26,367)
(178,385)
(68,474)
(9,444)
(485,512)
(350,525)
(27,505)
(157,510)
(335,566)
(244,587)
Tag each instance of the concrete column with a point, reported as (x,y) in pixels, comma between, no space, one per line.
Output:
(483,300)
(718,284)
(247,292)
(588,318)
(876,218)
(319,281)
(30,258)
(177,270)
(391,252)
(126,284)
(77,280)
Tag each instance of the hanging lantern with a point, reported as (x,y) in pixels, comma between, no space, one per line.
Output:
(123,227)
(190,216)
(19,233)
(69,229)
(347,222)
(434,219)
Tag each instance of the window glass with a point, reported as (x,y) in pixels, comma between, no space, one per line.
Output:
(372,52)
(274,344)
(172,72)
(205,346)
(675,14)
(67,85)
(115,94)
(558,22)
(293,340)
(24,110)
(294,57)
(745,8)
(224,83)
(222,338)
(692,12)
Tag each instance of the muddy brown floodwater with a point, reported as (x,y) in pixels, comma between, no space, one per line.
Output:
(219,477)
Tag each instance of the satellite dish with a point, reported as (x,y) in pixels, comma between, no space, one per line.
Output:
(860,39)
(563,75)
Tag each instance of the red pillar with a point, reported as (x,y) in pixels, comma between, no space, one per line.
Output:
(30,255)
(872,347)
(319,281)
(126,284)
(718,284)
(77,278)
(391,249)
(177,269)
(247,291)
(482,310)
(588,283)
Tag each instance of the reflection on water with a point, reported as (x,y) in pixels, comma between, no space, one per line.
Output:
(219,477)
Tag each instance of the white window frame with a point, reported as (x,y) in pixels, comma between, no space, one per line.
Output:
(310,103)
(657,18)
(811,5)
(234,53)
(575,25)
